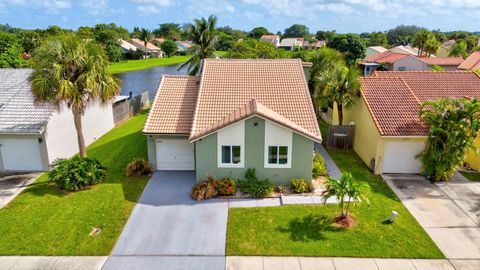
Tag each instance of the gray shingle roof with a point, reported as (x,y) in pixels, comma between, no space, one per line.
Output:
(18,112)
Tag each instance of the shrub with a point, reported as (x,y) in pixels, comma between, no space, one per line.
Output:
(318,168)
(139,167)
(204,190)
(76,173)
(226,186)
(250,174)
(256,188)
(298,185)
(281,189)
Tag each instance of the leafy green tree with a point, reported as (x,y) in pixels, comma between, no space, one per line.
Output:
(168,31)
(204,36)
(437,68)
(258,32)
(296,30)
(325,35)
(113,51)
(169,47)
(351,45)
(402,34)
(85,32)
(346,191)
(55,30)
(145,36)
(225,41)
(73,73)
(238,34)
(426,43)
(253,49)
(377,39)
(454,125)
(10,51)
(341,85)
(29,40)
(459,49)
(439,36)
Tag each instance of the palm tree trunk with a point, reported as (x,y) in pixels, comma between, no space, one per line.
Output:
(340,113)
(77,120)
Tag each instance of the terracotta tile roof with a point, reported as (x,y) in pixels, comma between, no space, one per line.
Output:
(394,97)
(385,57)
(174,105)
(472,62)
(254,108)
(441,61)
(228,84)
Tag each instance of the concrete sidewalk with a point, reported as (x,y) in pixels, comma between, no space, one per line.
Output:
(52,262)
(332,168)
(12,185)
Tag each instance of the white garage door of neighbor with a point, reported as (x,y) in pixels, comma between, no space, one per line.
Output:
(400,157)
(175,154)
(21,154)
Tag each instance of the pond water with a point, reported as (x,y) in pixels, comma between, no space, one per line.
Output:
(148,79)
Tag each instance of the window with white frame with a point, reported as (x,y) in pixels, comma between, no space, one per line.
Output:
(231,154)
(278,155)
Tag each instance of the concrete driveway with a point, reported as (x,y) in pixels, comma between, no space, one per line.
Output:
(12,185)
(169,230)
(450,214)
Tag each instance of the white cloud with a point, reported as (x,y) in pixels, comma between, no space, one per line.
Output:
(208,7)
(95,7)
(253,16)
(159,3)
(148,9)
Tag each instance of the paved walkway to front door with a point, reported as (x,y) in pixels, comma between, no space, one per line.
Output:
(450,214)
(169,230)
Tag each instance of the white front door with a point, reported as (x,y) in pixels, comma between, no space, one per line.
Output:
(401,157)
(21,154)
(175,154)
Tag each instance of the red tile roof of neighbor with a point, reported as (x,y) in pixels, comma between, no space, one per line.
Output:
(472,62)
(230,91)
(442,61)
(394,97)
(385,57)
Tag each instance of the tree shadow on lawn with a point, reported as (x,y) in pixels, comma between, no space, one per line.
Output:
(310,228)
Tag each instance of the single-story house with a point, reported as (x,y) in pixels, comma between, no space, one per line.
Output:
(272,39)
(388,61)
(372,50)
(389,133)
(150,49)
(290,44)
(183,45)
(445,48)
(158,41)
(238,114)
(127,46)
(405,50)
(312,45)
(471,63)
(33,135)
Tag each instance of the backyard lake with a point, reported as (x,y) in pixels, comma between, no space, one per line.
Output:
(148,79)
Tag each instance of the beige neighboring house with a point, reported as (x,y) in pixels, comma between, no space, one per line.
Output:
(471,63)
(290,44)
(444,50)
(272,39)
(150,49)
(372,50)
(33,135)
(314,45)
(126,46)
(404,50)
(158,41)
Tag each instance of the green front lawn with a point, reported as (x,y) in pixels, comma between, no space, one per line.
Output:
(44,220)
(302,230)
(132,65)
(472,176)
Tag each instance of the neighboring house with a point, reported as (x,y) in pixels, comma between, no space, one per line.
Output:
(389,133)
(183,46)
(405,50)
(444,50)
(388,61)
(372,50)
(471,63)
(150,49)
(158,41)
(126,46)
(314,45)
(290,44)
(33,135)
(272,39)
(237,114)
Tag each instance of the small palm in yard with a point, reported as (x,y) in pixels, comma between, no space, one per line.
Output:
(145,36)
(72,73)
(347,193)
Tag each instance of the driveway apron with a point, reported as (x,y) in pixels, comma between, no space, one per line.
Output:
(169,230)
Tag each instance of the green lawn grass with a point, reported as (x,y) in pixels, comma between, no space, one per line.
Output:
(44,220)
(472,176)
(132,65)
(302,230)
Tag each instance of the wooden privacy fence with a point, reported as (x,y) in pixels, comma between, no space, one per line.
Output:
(341,136)
(125,109)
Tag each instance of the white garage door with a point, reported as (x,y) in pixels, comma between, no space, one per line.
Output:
(21,154)
(175,154)
(400,157)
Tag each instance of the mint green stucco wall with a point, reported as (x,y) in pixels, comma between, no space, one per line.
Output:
(152,147)
(302,154)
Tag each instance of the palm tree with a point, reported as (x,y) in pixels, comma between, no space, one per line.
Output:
(345,190)
(145,36)
(203,35)
(459,49)
(340,85)
(71,73)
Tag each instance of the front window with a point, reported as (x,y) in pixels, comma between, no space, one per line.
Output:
(278,155)
(230,154)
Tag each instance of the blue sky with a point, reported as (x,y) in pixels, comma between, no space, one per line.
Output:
(342,15)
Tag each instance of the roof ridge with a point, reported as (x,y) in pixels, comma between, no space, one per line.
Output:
(411,91)
(199,93)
